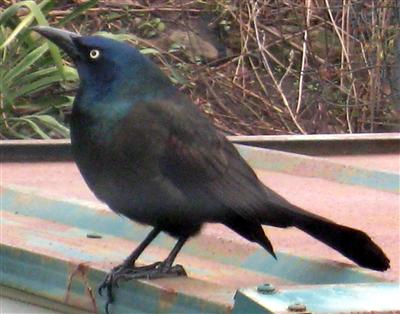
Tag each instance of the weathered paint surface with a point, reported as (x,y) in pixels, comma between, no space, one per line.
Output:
(266,159)
(45,251)
(361,298)
(360,207)
(32,261)
(71,214)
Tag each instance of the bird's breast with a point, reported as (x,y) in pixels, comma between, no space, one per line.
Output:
(117,174)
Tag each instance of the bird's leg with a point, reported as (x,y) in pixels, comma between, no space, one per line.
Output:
(127,265)
(165,268)
(127,270)
(162,269)
(129,262)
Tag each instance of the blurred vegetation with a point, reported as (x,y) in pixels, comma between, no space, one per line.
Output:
(255,67)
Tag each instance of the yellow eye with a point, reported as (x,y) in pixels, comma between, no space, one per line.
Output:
(94,54)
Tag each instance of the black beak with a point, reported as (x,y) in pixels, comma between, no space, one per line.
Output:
(62,38)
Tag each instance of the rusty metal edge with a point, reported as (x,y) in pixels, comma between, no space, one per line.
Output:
(44,281)
(326,144)
(35,150)
(59,283)
(30,299)
(313,145)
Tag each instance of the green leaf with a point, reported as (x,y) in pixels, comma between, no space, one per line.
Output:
(77,11)
(52,124)
(33,126)
(176,77)
(38,74)
(35,13)
(119,37)
(70,73)
(149,51)
(11,131)
(40,84)
(25,63)
(50,102)
(36,86)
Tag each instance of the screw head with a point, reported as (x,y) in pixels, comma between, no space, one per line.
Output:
(297,307)
(266,288)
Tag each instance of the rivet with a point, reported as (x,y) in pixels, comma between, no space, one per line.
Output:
(266,288)
(297,307)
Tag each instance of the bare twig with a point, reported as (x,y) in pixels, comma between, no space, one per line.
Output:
(255,13)
(291,59)
(304,56)
(344,51)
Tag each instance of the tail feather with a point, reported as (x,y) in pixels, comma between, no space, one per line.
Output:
(352,243)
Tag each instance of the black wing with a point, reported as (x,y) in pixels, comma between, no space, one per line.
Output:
(202,163)
(174,140)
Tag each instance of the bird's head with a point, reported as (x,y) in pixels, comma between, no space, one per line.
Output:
(104,62)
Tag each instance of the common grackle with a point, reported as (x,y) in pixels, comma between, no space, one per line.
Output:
(145,150)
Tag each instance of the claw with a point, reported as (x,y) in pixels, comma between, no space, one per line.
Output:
(152,271)
(179,270)
(110,297)
(105,283)
(107,305)
(100,289)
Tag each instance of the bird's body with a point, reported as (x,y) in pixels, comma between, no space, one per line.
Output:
(153,157)
(138,163)
(145,150)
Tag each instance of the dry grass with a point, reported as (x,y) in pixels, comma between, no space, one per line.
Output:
(284,67)
(311,66)
(305,67)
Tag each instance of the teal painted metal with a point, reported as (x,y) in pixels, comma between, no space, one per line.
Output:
(52,268)
(306,166)
(288,267)
(244,304)
(306,271)
(16,302)
(48,263)
(267,159)
(361,298)
(52,279)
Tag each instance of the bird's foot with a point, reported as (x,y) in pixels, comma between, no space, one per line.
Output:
(125,272)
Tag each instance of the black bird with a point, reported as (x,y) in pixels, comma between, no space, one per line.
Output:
(145,150)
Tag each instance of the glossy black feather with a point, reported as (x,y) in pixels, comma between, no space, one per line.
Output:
(145,150)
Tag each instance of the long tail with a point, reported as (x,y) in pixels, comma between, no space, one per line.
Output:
(352,243)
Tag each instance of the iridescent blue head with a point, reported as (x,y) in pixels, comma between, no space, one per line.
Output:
(105,63)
